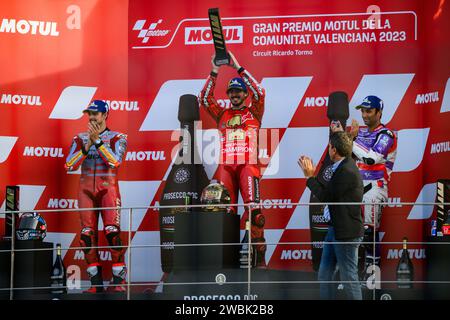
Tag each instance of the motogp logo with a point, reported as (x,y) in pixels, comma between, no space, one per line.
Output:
(182,175)
(151,31)
(328,173)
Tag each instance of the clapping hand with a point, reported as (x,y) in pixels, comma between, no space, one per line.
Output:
(354,129)
(307,166)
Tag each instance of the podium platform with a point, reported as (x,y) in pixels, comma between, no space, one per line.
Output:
(438,267)
(202,229)
(32,268)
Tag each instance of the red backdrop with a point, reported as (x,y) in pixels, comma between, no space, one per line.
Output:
(141,56)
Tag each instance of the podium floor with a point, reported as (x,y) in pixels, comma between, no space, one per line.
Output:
(269,285)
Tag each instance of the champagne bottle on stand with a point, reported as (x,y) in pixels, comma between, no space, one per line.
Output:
(244,251)
(58,277)
(186,177)
(337,111)
(405,269)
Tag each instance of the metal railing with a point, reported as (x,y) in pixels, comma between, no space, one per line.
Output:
(249,281)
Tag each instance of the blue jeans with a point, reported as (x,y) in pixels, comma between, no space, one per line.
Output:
(345,256)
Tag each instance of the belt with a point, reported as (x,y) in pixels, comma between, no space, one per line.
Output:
(367,187)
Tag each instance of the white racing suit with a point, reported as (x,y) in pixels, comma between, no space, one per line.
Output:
(375,153)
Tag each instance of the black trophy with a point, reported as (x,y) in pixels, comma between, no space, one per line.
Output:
(443,211)
(337,111)
(185,182)
(11,204)
(222,56)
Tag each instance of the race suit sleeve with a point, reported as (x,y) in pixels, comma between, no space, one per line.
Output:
(256,91)
(378,152)
(76,155)
(207,100)
(112,155)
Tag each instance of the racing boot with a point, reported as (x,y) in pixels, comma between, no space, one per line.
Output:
(95,274)
(258,222)
(119,271)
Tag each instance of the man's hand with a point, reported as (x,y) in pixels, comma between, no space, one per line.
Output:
(335,126)
(354,129)
(215,68)
(307,166)
(233,62)
(94,131)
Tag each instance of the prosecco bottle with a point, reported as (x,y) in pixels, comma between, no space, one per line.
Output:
(58,277)
(405,269)
(244,253)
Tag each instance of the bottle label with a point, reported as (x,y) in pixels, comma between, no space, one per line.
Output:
(57,285)
(404,278)
(433,228)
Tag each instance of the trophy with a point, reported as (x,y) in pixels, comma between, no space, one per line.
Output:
(222,57)
(11,204)
(338,111)
(443,211)
(185,182)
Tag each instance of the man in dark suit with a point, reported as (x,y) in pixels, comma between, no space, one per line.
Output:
(345,231)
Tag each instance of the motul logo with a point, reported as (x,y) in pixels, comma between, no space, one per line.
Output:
(43,28)
(43,152)
(296,255)
(62,203)
(394,202)
(20,99)
(427,97)
(123,105)
(440,147)
(203,35)
(145,156)
(103,255)
(413,253)
(277,203)
(316,101)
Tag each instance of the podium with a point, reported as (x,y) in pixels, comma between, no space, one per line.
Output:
(194,259)
(203,228)
(31,268)
(438,267)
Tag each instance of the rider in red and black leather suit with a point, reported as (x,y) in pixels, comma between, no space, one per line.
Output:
(239,128)
(99,152)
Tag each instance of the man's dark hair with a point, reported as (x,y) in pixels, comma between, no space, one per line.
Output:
(342,142)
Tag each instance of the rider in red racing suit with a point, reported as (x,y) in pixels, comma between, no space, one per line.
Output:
(239,127)
(99,152)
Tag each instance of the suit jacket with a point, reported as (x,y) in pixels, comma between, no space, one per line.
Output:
(345,186)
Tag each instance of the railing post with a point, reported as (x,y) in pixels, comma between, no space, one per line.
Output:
(13,244)
(374,247)
(130,217)
(249,254)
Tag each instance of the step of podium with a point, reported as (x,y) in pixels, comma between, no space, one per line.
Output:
(220,284)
